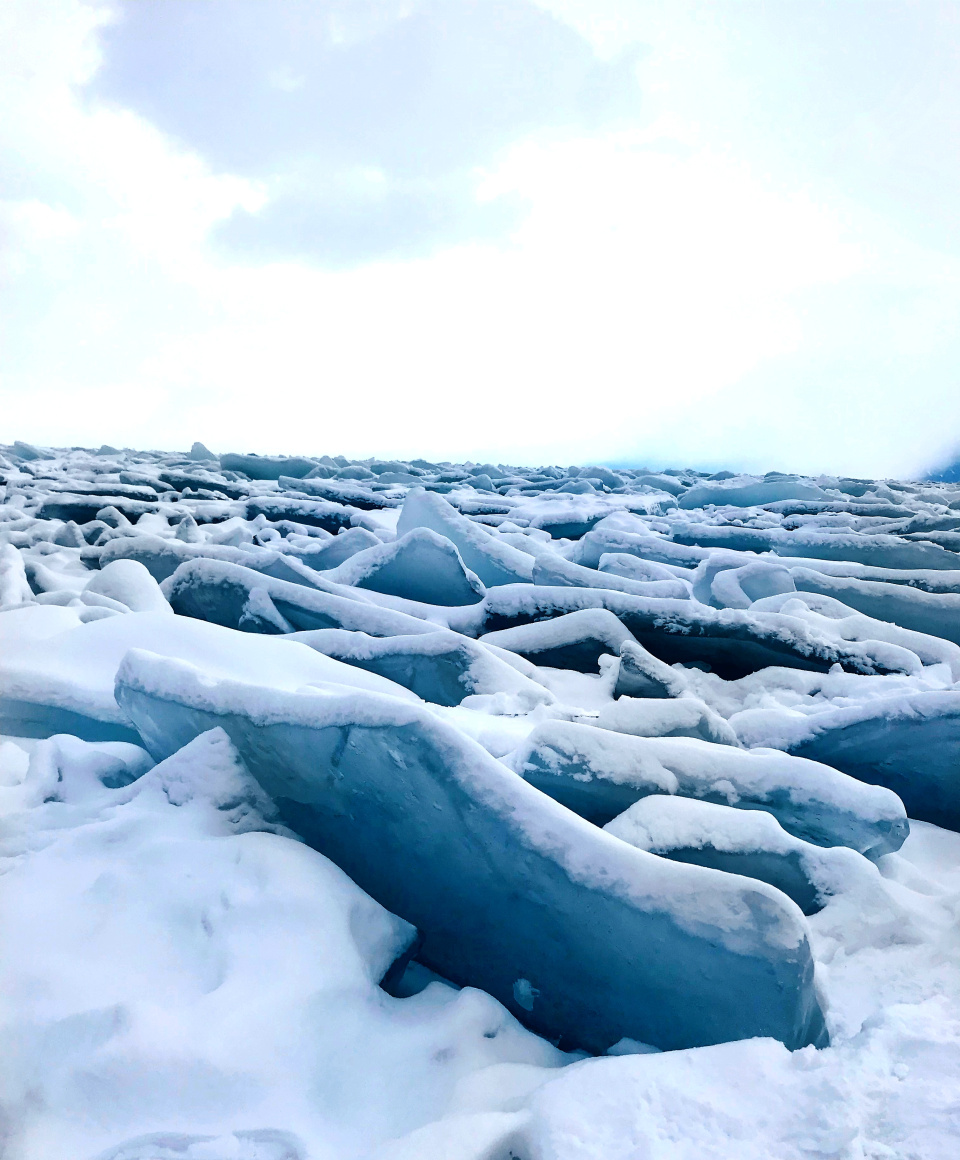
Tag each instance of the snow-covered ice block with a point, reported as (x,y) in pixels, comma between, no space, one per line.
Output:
(574,641)
(634,568)
(331,553)
(739,587)
(653,717)
(607,539)
(578,934)
(267,466)
(420,565)
(317,513)
(238,597)
(829,617)
(908,742)
(162,557)
(441,667)
(879,550)
(731,641)
(14,586)
(551,569)
(492,560)
(641,674)
(130,584)
(599,774)
(748,842)
(934,613)
(748,492)
(62,682)
(341,491)
(83,508)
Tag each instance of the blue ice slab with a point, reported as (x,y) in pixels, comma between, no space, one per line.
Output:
(340,491)
(317,513)
(732,641)
(877,550)
(163,557)
(936,613)
(599,774)
(748,842)
(332,553)
(267,466)
(747,491)
(421,565)
(494,561)
(575,641)
(551,569)
(579,935)
(441,667)
(908,743)
(239,597)
(640,674)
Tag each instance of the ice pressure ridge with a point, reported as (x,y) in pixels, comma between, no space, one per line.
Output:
(599,739)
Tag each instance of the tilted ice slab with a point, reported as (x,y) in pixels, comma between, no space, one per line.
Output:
(739,587)
(578,934)
(908,742)
(599,774)
(333,552)
(748,842)
(318,513)
(641,674)
(830,617)
(687,716)
(63,682)
(492,560)
(733,642)
(267,466)
(238,597)
(879,550)
(551,569)
(421,565)
(339,491)
(747,492)
(634,568)
(609,539)
(162,557)
(934,613)
(574,641)
(441,667)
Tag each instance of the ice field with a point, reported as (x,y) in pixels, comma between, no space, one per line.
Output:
(415,811)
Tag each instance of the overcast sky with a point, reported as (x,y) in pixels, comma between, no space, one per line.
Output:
(664,234)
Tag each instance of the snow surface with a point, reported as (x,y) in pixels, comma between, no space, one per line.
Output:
(183,978)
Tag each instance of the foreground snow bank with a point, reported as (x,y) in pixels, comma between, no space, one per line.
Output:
(171,963)
(889,959)
(181,981)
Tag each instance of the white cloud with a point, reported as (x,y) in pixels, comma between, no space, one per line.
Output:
(661,301)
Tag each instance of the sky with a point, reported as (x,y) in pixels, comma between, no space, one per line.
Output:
(720,234)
